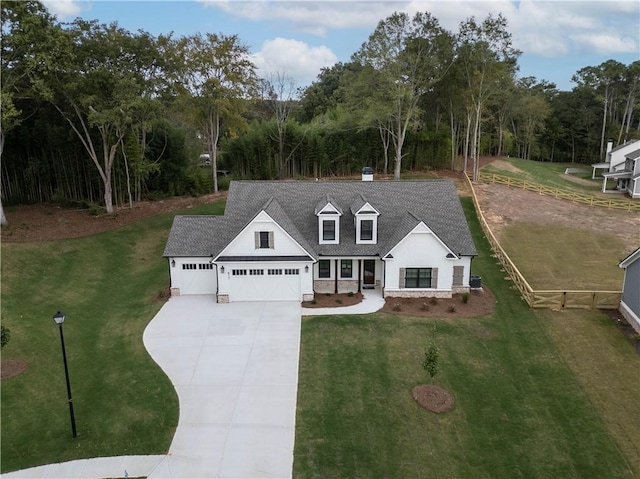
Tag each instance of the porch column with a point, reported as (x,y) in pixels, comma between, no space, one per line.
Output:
(336,276)
(359,275)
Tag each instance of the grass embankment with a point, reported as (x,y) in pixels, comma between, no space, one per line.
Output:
(561,258)
(520,412)
(108,286)
(548,174)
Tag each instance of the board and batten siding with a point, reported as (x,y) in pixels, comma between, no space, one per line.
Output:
(246,244)
(421,249)
(630,303)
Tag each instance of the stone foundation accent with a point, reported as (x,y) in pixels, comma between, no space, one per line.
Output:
(175,291)
(307,297)
(403,293)
(461,289)
(222,298)
(325,286)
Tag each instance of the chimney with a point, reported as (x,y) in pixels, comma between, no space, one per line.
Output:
(367,173)
(609,146)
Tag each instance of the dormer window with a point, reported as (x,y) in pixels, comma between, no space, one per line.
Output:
(328,214)
(366,221)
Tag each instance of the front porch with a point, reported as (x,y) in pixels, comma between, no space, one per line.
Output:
(347,275)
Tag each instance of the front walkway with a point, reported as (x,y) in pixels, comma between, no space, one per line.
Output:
(372,301)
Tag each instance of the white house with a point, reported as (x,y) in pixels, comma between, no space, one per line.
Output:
(630,302)
(621,164)
(288,240)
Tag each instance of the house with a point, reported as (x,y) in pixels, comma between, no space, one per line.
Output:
(620,164)
(627,176)
(288,240)
(630,302)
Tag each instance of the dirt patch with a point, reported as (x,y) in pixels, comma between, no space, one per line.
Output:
(10,368)
(46,222)
(579,181)
(433,398)
(479,303)
(506,166)
(503,205)
(339,300)
(624,327)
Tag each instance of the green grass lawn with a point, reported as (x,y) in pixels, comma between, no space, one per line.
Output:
(565,258)
(549,174)
(520,411)
(108,286)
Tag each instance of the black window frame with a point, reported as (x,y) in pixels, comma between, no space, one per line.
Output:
(332,230)
(368,231)
(343,267)
(422,279)
(264,240)
(324,268)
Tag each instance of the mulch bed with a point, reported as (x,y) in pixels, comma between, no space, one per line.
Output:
(339,300)
(10,368)
(480,303)
(433,398)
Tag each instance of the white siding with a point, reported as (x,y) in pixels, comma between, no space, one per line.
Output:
(422,249)
(244,243)
(200,280)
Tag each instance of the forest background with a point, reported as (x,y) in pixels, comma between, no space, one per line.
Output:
(93,114)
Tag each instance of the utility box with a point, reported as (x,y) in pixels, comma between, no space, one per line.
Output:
(475,281)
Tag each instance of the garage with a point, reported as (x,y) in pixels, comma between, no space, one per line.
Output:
(273,282)
(193,276)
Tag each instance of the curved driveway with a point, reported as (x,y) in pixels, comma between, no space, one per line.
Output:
(235,368)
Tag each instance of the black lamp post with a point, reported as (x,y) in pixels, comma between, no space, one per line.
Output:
(59,319)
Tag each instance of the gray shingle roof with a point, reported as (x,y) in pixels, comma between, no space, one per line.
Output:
(292,204)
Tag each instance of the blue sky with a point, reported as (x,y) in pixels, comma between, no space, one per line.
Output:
(298,37)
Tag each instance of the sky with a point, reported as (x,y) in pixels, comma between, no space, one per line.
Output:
(299,37)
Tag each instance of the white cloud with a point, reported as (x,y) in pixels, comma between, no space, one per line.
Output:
(544,28)
(292,58)
(63,9)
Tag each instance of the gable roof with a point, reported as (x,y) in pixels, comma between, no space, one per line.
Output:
(292,204)
(632,258)
(624,145)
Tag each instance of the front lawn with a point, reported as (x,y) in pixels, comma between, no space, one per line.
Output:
(108,285)
(520,412)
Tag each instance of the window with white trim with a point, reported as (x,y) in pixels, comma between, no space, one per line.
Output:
(417,278)
(324,268)
(328,230)
(346,268)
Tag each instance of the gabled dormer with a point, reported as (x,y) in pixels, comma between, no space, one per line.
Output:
(328,213)
(365,218)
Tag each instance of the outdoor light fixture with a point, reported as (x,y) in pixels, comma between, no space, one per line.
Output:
(306,269)
(59,319)
(222,269)
(173,263)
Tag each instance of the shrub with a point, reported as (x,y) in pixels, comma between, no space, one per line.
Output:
(339,300)
(452,309)
(433,301)
(350,294)
(94,210)
(430,363)
(465,298)
(5,335)
(424,307)
(396,307)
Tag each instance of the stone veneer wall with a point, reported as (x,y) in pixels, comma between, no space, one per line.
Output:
(223,298)
(175,291)
(328,286)
(403,293)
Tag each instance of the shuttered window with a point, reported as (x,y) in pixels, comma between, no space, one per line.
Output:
(419,278)
(264,240)
(458,275)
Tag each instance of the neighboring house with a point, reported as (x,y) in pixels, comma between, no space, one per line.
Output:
(288,240)
(627,176)
(620,164)
(630,302)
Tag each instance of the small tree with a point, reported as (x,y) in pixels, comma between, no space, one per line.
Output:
(430,363)
(5,335)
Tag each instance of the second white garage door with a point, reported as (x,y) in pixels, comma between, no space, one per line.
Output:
(265,283)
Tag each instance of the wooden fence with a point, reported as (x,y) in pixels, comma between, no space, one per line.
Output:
(613,203)
(544,299)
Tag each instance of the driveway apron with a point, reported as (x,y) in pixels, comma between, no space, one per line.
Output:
(235,369)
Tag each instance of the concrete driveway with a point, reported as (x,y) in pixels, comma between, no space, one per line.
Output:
(235,368)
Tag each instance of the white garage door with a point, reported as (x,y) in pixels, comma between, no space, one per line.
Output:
(265,283)
(197,278)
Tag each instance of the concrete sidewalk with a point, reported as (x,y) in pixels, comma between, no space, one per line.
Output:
(372,301)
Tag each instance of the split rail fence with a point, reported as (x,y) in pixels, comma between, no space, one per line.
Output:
(552,299)
(613,203)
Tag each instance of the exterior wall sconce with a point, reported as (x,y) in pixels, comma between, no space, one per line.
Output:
(173,263)
(306,269)
(222,269)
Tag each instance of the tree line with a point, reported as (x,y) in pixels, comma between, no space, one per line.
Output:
(95,114)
